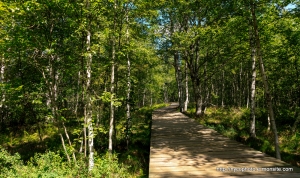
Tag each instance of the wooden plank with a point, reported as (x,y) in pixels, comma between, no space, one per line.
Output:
(180,147)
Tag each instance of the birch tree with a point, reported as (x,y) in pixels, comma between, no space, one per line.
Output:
(128,112)
(265,80)
(88,102)
(253,82)
(186,102)
(112,82)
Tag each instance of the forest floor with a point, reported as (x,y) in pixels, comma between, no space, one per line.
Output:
(33,143)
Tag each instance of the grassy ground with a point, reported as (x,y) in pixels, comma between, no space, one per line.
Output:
(235,123)
(40,143)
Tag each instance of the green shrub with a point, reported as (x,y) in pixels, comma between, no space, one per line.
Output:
(108,166)
(8,163)
(52,165)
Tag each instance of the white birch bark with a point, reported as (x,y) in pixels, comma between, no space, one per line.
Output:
(144,97)
(112,87)
(128,114)
(186,89)
(88,102)
(112,109)
(265,81)
(269,122)
(89,107)
(253,84)
(69,141)
(2,70)
(64,147)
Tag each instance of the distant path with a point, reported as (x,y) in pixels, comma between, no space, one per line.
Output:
(180,147)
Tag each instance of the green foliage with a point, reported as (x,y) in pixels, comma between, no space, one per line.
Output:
(8,163)
(107,97)
(266,146)
(290,142)
(108,166)
(132,162)
(52,165)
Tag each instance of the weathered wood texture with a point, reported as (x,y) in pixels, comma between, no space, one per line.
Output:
(180,147)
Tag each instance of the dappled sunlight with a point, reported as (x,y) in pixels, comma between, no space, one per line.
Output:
(180,147)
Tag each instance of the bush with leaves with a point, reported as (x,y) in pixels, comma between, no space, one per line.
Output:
(8,163)
(52,165)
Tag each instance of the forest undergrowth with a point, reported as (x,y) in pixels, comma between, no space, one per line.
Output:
(37,151)
(235,123)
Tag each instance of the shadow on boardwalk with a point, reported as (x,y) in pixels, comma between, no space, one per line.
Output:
(180,147)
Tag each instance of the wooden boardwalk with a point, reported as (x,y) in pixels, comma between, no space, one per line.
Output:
(180,147)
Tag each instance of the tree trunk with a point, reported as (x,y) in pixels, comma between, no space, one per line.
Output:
(3,91)
(65,149)
(85,136)
(178,79)
(69,141)
(265,81)
(2,70)
(186,89)
(193,60)
(166,98)
(144,97)
(112,108)
(247,90)
(128,114)
(269,123)
(112,86)
(223,88)
(253,84)
(88,102)
(233,94)
(240,86)
(197,96)
(178,74)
